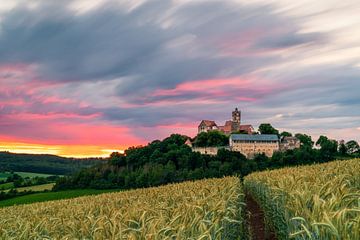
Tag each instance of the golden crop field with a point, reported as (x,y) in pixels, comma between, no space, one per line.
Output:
(310,202)
(205,209)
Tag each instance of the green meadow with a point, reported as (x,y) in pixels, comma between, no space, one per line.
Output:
(5,186)
(5,175)
(35,188)
(49,196)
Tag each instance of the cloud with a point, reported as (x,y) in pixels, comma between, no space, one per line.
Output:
(153,67)
(111,42)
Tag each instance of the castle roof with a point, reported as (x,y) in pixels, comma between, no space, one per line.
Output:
(208,123)
(260,137)
(245,127)
(228,123)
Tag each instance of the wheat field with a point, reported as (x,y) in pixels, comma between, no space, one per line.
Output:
(310,202)
(205,209)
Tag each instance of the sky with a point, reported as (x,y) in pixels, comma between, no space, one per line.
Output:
(85,78)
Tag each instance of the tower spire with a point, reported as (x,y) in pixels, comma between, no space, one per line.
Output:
(236,116)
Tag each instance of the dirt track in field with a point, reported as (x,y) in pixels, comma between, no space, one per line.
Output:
(256,220)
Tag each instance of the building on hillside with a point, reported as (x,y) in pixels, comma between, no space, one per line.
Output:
(249,145)
(242,138)
(207,125)
(289,143)
(230,126)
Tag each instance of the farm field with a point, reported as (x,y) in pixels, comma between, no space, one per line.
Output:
(5,186)
(49,196)
(310,202)
(35,188)
(207,209)
(5,175)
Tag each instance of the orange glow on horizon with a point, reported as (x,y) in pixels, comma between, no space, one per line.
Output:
(77,151)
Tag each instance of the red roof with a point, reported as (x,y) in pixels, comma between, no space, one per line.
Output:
(228,123)
(208,123)
(227,128)
(248,128)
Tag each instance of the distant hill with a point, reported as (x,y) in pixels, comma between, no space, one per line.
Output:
(44,163)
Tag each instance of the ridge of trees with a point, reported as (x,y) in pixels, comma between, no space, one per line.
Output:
(43,163)
(171,160)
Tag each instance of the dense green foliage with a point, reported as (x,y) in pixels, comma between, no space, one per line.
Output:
(49,196)
(285,134)
(211,139)
(158,163)
(266,128)
(42,163)
(170,160)
(305,140)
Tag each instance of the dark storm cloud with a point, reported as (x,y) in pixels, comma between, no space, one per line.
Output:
(111,42)
(101,44)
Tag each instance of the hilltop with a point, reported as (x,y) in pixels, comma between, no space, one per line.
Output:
(44,163)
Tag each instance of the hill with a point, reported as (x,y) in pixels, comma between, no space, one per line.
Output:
(43,163)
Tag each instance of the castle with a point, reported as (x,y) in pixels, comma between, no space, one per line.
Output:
(243,138)
(231,126)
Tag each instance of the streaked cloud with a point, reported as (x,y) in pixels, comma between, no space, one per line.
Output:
(120,73)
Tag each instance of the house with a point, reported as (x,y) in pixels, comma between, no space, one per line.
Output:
(230,126)
(249,145)
(206,126)
(289,143)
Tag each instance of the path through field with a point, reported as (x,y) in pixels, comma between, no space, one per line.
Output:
(256,220)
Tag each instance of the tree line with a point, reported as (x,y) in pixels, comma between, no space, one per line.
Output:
(171,160)
(43,163)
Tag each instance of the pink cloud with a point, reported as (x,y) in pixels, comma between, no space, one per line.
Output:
(207,91)
(56,132)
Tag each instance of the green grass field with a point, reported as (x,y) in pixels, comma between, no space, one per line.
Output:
(5,175)
(36,188)
(49,196)
(5,186)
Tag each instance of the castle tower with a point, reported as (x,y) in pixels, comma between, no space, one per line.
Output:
(236,119)
(236,116)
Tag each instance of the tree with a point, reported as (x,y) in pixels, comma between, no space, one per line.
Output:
(285,134)
(342,149)
(266,128)
(321,141)
(328,147)
(352,147)
(262,161)
(305,140)
(211,139)
(201,140)
(117,159)
(216,138)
